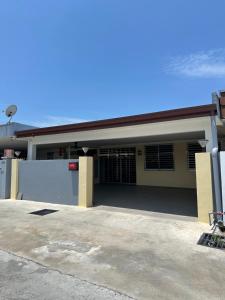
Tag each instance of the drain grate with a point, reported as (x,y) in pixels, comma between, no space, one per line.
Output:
(43,212)
(212,241)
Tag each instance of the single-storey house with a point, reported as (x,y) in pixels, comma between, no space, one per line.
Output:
(149,158)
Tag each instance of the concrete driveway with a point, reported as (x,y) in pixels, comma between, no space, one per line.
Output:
(22,279)
(176,201)
(152,256)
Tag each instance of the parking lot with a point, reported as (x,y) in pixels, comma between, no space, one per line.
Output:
(143,256)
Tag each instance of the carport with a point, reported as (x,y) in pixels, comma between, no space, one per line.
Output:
(123,180)
(176,201)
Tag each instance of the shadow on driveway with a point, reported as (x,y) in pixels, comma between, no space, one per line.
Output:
(176,201)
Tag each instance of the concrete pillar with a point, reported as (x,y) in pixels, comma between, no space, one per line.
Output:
(204,186)
(14,178)
(211,134)
(31,151)
(85,194)
(212,147)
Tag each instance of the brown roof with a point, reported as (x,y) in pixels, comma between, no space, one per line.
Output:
(169,115)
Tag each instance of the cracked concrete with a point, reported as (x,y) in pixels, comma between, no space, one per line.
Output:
(150,256)
(24,279)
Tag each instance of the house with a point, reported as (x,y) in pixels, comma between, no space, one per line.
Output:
(8,141)
(149,155)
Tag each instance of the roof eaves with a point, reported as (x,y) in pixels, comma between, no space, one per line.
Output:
(177,114)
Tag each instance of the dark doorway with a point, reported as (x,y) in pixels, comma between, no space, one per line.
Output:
(118,165)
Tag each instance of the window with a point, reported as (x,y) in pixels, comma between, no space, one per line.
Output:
(159,157)
(192,149)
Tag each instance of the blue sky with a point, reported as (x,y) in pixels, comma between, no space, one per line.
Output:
(74,60)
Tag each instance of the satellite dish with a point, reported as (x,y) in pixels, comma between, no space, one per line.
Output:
(11,111)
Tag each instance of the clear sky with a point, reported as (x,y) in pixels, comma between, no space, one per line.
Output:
(71,60)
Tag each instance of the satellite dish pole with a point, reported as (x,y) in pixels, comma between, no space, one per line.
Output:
(10,112)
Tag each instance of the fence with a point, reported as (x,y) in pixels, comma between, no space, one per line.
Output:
(48,181)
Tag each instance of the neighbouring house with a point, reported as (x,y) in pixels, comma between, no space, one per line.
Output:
(10,147)
(8,142)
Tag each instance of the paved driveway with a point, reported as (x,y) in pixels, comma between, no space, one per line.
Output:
(152,256)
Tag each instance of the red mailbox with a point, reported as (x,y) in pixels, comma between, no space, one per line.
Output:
(73,166)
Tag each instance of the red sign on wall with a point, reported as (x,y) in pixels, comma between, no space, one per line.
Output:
(73,166)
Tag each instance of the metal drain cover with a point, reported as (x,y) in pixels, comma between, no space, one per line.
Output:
(212,241)
(43,212)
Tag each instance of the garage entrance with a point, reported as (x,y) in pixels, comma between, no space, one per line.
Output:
(118,165)
(148,177)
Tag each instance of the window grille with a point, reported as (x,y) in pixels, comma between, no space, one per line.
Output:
(159,157)
(192,149)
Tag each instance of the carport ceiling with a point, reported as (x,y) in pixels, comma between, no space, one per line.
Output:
(143,140)
(131,141)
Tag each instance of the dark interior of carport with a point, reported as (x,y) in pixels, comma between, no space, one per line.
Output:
(117,186)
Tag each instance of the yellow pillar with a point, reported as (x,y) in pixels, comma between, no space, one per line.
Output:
(204,186)
(14,178)
(85,194)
